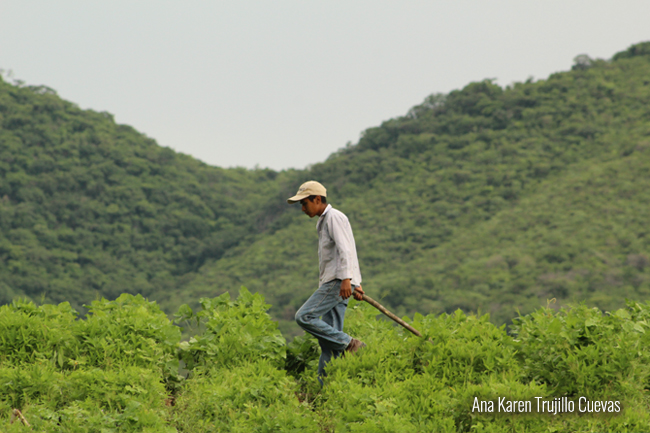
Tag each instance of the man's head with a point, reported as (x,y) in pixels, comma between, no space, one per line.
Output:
(313,205)
(312,196)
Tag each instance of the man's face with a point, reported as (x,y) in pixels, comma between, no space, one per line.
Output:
(310,207)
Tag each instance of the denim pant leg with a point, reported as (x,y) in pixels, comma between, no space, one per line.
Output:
(308,317)
(335,318)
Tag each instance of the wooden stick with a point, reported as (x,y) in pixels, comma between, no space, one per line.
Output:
(18,414)
(381,308)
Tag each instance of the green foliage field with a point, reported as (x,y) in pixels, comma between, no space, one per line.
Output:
(124,368)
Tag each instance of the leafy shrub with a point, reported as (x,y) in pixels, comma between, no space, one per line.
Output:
(302,354)
(401,382)
(84,375)
(455,349)
(130,331)
(462,349)
(108,372)
(249,397)
(581,351)
(131,399)
(31,334)
(234,333)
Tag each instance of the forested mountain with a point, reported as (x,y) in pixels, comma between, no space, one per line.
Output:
(485,198)
(89,207)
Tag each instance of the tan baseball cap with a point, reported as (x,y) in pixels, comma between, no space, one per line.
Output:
(306,189)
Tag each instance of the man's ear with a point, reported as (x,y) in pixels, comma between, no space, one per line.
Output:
(317,200)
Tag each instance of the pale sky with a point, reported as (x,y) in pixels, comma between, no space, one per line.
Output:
(283,84)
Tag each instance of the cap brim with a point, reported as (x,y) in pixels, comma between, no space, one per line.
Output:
(296,198)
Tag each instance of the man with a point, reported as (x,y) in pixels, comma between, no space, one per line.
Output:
(339,277)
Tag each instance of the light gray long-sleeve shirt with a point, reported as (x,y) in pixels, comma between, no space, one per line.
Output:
(337,252)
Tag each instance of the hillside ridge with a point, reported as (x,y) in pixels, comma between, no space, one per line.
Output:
(90,208)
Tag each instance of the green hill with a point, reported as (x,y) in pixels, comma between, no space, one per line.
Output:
(485,198)
(90,208)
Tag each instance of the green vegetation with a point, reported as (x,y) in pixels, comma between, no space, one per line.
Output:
(108,371)
(118,370)
(89,207)
(488,198)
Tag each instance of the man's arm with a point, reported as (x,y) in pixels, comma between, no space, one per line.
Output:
(341,233)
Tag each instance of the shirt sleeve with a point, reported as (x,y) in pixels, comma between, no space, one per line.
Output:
(341,233)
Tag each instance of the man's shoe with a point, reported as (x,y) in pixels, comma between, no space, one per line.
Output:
(354,346)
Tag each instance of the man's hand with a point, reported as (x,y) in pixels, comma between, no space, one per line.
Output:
(358,293)
(346,288)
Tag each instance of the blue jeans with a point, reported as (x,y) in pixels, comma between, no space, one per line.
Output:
(326,302)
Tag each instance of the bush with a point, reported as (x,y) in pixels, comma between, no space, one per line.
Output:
(580,351)
(130,331)
(249,397)
(401,382)
(302,354)
(128,400)
(233,333)
(30,334)
(108,372)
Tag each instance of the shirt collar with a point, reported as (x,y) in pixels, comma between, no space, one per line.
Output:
(322,216)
